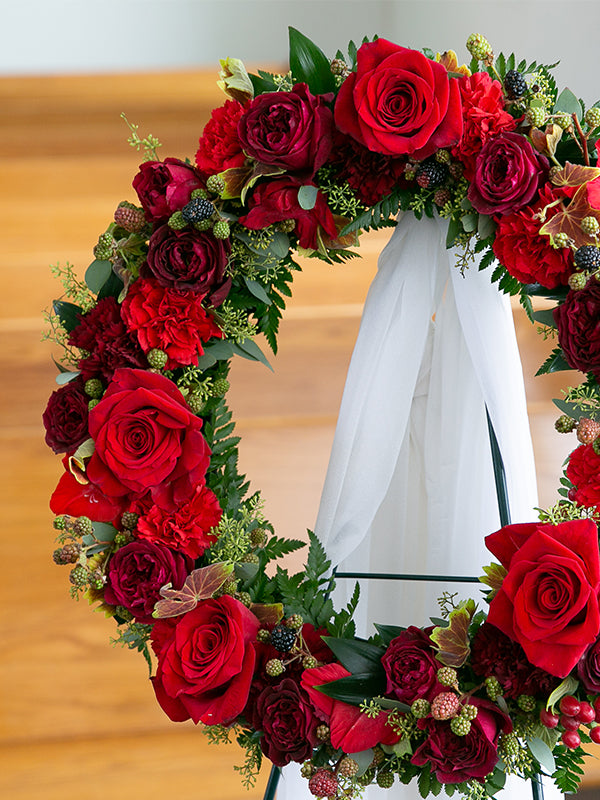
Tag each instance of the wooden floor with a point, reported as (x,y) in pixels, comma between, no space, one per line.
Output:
(77,716)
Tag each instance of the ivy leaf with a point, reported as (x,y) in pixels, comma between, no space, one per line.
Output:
(309,64)
(494,575)
(453,642)
(267,613)
(574,175)
(199,585)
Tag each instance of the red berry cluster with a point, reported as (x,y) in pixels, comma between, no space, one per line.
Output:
(573,714)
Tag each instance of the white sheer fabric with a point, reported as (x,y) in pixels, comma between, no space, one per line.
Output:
(410,485)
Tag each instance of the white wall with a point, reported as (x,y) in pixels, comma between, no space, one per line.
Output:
(58,36)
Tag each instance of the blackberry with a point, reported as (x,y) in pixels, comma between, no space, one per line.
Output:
(578,281)
(590,225)
(565,424)
(479,47)
(592,117)
(93,388)
(431,174)
(587,257)
(385,779)
(515,84)
(460,726)
(130,217)
(197,209)
(282,638)
(157,358)
(221,229)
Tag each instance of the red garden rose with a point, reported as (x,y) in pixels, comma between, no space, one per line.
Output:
(278,200)
(190,259)
(588,668)
(146,440)
(411,667)
(508,175)
(578,329)
(164,187)
(136,573)
(171,320)
(205,661)
(290,130)
(399,102)
(219,147)
(66,417)
(350,729)
(455,759)
(527,255)
(285,716)
(583,470)
(548,601)
(185,528)
(483,117)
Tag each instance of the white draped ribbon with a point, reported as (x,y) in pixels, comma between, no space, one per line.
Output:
(410,486)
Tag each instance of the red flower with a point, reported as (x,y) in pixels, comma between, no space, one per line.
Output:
(205,661)
(411,666)
(526,254)
(165,186)
(219,147)
(583,470)
(66,416)
(170,320)
(548,601)
(185,528)
(290,130)
(80,498)
(278,200)
(483,117)
(146,440)
(398,102)
(455,759)
(350,729)
(578,330)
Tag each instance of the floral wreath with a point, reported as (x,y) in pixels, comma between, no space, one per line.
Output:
(153,517)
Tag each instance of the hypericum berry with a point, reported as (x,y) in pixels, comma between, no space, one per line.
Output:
(587,257)
(220,387)
(586,713)
(93,388)
(447,676)
(282,638)
(590,225)
(592,117)
(420,708)
(571,739)
(176,221)
(548,719)
(460,726)
(385,779)
(83,526)
(274,667)
(215,184)
(595,734)
(197,209)
(105,249)
(587,431)
(294,621)
(221,229)
(322,733)
(536,116)
(596,704)
(130,217)
(569,723)
(493,688)
(157,358)
(565,424)
(445,705)
(323,784)
(526,702)
(569,705)
(479,47)
(348,767)
(309,662)
(561,239)
(578,281)
(515,84)
(431,174)
(129,520)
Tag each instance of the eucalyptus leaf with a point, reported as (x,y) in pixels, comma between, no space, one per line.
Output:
(542,753)
(249,349)
(221,349)
(258,290)
(469,222)
(573,411)
(486,226)
(307,197)
(363,759)
(104,532)
(97,274)
(66,377)
(245,572)
(567,103)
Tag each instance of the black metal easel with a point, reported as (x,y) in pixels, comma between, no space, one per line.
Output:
(537,788)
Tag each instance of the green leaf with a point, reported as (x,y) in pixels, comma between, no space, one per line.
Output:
(66,377)
(486,226)
(469,222)
(307,197)
(258,290)
(220,349)
(354,689)
(574,411)
(67,313)
(104,532)
(554,363)
(249,349)
(568,686)
(453,641)
(388,632)
(97,274)
(454,230)
(424,781)
(542,753)
(309,64)
(545,317)
(566,102)
(356,654)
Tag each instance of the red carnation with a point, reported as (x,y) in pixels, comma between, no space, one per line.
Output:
(219,147)
(169,320)
(583,470)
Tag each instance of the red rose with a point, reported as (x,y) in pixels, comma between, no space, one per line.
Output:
(578,330)
(165,186)
(508,174)
(288,723)
(588,669)
(290,130)
(483,117)
(66,416)
(527,255)
(190,259)
(77,497)
(548,601)
(219,147)
(170,320)
(398,102)
(350,729)
(278,200)
(583,470)
(185,528)
(137,572)
(455,759)
(205,661)
(411,666)
(146,440)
